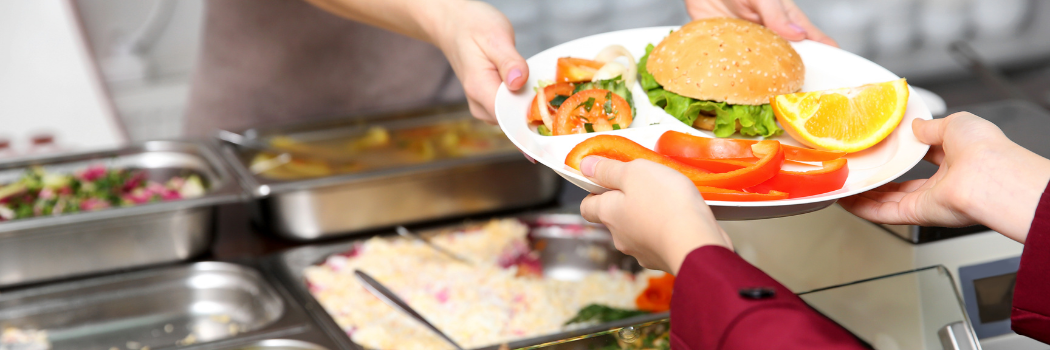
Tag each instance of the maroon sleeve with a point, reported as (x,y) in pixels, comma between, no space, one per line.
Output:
(722,302)
(1031,305)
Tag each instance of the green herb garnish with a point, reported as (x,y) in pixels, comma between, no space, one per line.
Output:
(543,130)
(616,126)
(558,100)
(616,85)
(601,314)
(587,105)
(608,103)
(589,127)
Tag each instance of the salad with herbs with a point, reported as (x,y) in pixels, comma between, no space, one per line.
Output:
(42,193)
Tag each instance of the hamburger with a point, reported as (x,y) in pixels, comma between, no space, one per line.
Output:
(719,74)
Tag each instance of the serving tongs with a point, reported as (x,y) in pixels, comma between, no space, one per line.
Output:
(284,155)
(404,232)
(383,293)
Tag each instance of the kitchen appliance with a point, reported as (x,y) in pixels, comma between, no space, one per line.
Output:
(50,247)
(983,262)
(353,201)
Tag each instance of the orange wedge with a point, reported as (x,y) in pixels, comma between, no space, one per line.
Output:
(848,119)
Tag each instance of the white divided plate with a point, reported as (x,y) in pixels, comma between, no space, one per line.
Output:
(826,68)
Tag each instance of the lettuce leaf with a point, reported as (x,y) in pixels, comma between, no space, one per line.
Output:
(754,120)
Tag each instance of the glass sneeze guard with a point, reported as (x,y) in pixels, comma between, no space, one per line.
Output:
(917,309)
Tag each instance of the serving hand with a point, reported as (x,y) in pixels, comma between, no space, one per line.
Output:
(984,178)
(478,41)
(781,16)
(654,213)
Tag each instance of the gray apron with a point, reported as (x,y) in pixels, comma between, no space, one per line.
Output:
(269,62)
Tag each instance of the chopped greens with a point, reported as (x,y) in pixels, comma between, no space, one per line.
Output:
(589,127)
(754,120)
(558,100)
(587,105)
(616,85)
(39,193)
(608,104)
(543,130)
(616,126)
(600,314)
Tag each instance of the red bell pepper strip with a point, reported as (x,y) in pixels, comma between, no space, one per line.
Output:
(811,155)
(730,164)
(673,143)
(807,183)
(717,165)
(623,149)
(721,194)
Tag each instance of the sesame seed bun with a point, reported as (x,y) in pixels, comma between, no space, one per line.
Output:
(725,59)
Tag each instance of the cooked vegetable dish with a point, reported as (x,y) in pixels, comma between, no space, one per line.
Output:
(378,148)
(41,193)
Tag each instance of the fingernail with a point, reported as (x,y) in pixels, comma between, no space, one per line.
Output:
(797,28)
(513,76)
(588,164)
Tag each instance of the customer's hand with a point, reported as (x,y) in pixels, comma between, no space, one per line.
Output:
(655,213)
(984,178)
(781,16)
(478,41)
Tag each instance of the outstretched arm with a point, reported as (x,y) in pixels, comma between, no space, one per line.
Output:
(984,178)
(476,38)
(719,301)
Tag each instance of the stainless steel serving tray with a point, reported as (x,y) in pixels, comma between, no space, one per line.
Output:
(44,248)
(203,306)
(568,246)
(317,208)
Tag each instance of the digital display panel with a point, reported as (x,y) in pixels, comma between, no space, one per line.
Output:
(994,297)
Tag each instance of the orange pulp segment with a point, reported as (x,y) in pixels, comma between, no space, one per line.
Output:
(847,119)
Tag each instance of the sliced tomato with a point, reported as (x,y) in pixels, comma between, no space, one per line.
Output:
(623,149)
(807,183)
(721,194)
(551,92)
(590,111)
(673,143)
(576,70)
